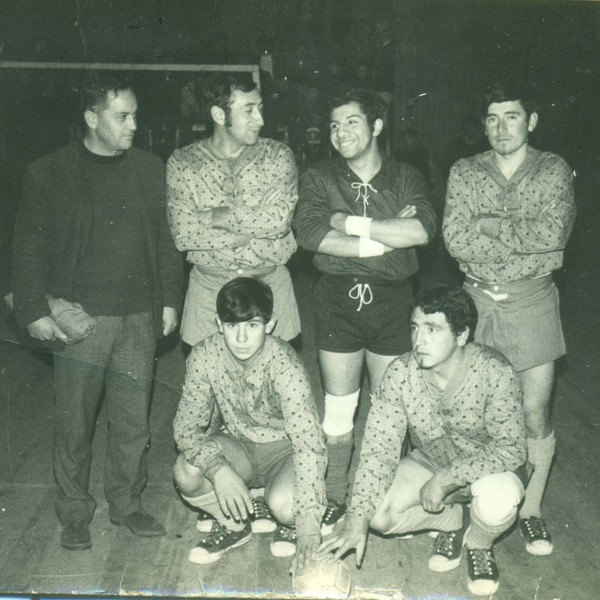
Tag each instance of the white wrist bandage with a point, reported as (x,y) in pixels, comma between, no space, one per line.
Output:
(367,248)
(358,226)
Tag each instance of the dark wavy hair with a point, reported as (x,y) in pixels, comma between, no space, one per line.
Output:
(97,87)
(243,299)
(371,105)
(454,302)
(219,88)
(506,91)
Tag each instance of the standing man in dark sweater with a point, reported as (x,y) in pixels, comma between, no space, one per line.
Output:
(92,230)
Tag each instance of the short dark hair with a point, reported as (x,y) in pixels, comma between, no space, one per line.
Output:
(243,299)
(454,302)
(506,91)
(371,105)
(219,88)
(97,87)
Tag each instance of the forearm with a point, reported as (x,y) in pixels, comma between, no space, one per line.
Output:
(398,233)
(466,244)
(347,246)
(258,220)
(546,232)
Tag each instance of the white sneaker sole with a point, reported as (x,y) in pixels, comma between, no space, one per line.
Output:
(283,549)
(263,526)
(200,556)
(539,548)
(482,587)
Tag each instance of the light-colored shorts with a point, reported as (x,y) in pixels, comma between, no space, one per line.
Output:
(521,319)
(462,494)
(266,458)
(200,308)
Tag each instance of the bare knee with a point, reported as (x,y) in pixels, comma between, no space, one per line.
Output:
(280,500)
(389,514)
(189,479)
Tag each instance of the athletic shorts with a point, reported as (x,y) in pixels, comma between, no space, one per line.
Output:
(266,458)
(355,313)
(462,494)
(521,319)
(200,308)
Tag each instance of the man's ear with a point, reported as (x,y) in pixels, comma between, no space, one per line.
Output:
(271,324)
(463,337)
(218,115)
(90,118)
(533,120)
(377,127)
(219,324)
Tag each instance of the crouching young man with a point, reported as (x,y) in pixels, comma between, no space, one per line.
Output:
(462,404)
(255,386)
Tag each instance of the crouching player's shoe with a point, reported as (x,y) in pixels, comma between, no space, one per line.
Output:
(483,572)
(261,519)
(334,513)
(204,521)
(447,550)
(536,535)
(284,542)
(220,539)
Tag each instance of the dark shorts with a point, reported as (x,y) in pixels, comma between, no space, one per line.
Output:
(356,313)
(521,319)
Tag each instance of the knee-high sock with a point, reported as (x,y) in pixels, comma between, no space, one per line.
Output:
(482,535)
(494,503)
(540,454)
(210,504)
(336,478)
(416,518)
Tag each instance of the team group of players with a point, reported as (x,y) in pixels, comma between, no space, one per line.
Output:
(464,376)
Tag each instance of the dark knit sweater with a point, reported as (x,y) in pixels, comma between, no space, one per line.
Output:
(54,227)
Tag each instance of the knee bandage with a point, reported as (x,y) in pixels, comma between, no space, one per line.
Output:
(496,497)
(339,413)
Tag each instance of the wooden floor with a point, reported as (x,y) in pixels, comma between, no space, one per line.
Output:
(32,560)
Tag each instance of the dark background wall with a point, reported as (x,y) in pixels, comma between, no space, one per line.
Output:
(441,53)
(446,50)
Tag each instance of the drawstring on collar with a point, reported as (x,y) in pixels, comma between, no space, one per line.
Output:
(362,193)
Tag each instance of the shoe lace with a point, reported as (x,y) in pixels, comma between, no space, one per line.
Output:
(331,508)
(536,528)
(261,510)
(333,511)
(216,535)
(482,561)
(444,543)
(287,534)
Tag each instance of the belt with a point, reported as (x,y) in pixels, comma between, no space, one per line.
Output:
(502,290)
(240,271)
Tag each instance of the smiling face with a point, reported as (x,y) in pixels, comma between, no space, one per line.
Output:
(507,126)
(435,345)
(111,129)
(245,339)
(350,133)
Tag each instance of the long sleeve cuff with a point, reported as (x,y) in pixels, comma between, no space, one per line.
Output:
(213,466)
(308,524)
